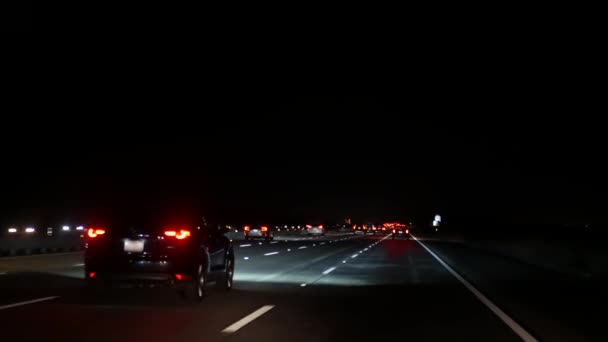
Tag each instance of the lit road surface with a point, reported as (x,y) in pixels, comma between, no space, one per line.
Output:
(337,288)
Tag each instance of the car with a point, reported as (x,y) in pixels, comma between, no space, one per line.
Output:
(379,229)
(315,230)
(359,229)
(258,232)
(182,256)
(382,230)
(400,230)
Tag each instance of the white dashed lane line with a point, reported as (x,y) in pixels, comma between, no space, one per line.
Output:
(328,271)
(302,247)
(271,253)
(247,319)
(3,307)
(78,265)
(245,246)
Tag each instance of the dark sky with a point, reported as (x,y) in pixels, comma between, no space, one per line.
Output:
(285,158)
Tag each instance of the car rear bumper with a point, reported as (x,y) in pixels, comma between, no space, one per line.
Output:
(137,270)
(257,234)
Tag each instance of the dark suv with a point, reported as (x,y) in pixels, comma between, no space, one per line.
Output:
(181,254)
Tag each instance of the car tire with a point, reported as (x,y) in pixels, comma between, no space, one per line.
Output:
(196,290)
(227,280)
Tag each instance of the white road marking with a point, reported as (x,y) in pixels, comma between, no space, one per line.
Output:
(246,258)
(271,253)
(354,256)
(328,271)
(302,247)
(314,245)
(289,250)
(247,319)
(521,332)
(344,261)
(78,265)
(245,246)
(260,243)
(27,302)
(274,242)
(322,243)
(303,285)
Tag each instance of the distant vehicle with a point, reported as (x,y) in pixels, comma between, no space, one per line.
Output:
(185,257)
(258,232)
(315,230)
(360,229)
(369,229)
(400,230)
(380,229)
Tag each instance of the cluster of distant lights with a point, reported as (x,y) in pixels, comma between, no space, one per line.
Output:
(31,230)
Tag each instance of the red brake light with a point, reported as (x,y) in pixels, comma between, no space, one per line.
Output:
(180,235)
(178,277)
(91,275)
(394,231)
(247,228)
(321,226)
(407,231)
(93,232)
(264,229)
(308,226)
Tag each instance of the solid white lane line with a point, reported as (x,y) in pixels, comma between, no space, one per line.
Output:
(328,271)
(27,302)
(271,253)
(78,265)
(302,247)
(521,332)
(245,246)
(247,319)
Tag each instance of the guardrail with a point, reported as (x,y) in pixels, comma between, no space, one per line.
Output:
(51,240)
(36,243)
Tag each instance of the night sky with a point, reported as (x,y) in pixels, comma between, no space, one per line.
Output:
(301,158)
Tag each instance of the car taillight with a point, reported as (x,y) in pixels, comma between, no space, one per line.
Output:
(383,228)
(91,275)
(407,231)
(394,231)
(264,229)
(93,232)
(308,226)
(247,228)
(180,235)
(321,226)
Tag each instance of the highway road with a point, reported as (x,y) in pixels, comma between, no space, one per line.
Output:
(336,288)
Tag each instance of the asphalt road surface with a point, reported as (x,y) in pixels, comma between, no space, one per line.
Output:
(335,288)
